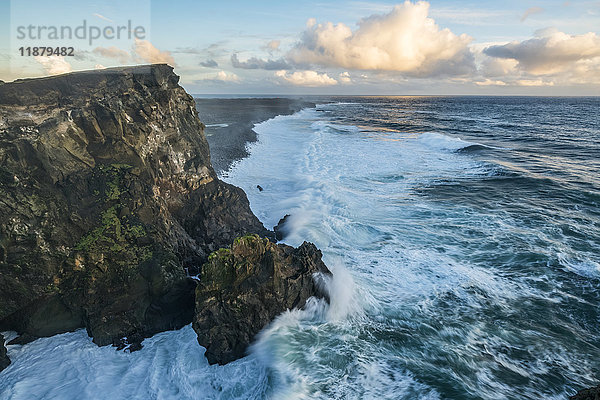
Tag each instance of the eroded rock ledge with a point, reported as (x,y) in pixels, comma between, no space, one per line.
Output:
(107,197)
(244,287)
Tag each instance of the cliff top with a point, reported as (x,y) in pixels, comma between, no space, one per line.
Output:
(53,89)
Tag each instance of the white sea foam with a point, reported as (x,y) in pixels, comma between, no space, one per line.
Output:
(217,125)
(443,142)
(419,299)
(171,365)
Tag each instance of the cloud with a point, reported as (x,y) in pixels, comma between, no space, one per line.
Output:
(210,63)
(345,77)
(489,82)
(554,52)
(531,11)
(103,17)
(146,51)
(534,82)
(258,63)
(497,67)
(219,78)
(113,52)
(306,78)
(226,77)
(273,45)
(54,65)
(405,40)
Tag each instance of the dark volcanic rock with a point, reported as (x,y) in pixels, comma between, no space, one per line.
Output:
(243,288)
(587,394)
(107,195)
(4,360)
(281,230)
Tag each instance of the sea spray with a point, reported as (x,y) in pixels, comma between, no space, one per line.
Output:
(472,274)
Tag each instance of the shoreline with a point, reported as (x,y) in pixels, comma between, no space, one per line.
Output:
(230,124)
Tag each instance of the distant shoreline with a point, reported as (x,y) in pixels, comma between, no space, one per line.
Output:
(230,122)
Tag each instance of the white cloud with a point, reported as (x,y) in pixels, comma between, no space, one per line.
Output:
(54,65)
(534,82)
(405,40)
(306,78)
(489,82)
(113,52)
(146,51)
(552,53)
(99,66)
(345,77)
(531,11)
(226,77)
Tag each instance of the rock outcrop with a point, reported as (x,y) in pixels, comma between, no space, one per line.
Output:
(4,360)
(242,288)
(107,196)
(282,228)
(587,394)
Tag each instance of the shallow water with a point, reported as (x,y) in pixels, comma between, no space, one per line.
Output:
(464,237)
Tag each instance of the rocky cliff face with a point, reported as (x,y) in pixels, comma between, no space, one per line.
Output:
(242,288)
(107,196)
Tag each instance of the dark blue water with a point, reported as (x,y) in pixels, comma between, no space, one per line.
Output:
(464,237)
(471,229)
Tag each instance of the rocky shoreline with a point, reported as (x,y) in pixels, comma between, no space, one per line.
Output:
(230,124)
(110,204)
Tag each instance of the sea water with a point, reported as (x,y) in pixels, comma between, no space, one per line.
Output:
(464,238)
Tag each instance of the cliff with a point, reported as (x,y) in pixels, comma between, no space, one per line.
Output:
(107,198)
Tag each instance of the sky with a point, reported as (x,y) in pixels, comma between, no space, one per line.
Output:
(436,47)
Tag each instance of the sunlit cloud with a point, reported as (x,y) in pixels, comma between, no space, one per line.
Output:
(489,82)
(226,77)
(113,52)
(405,40)
(552,53)
(344,77)
(306,78)
(531,11)
(146,51)
(54,65)
(273,45)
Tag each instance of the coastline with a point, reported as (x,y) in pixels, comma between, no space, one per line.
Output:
(230,122)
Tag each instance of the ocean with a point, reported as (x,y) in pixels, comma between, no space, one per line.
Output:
(464,238)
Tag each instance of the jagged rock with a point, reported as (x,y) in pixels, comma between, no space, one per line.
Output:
(244,287)
(281,230)
(4,360)
(587,394)
(107,195)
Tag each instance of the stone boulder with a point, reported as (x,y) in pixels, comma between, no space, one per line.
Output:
(244,287)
